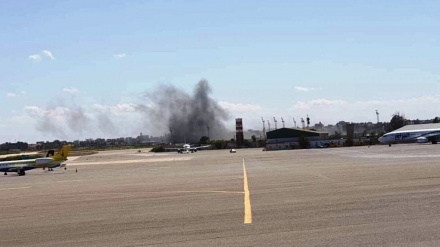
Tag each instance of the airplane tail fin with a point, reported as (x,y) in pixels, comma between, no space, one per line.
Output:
(62,154)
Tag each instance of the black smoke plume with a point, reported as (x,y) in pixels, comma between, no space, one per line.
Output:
(185,117)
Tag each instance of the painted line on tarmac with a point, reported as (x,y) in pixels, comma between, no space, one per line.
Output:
(247,199)
(66,181)
(129,161)
(16,188)
(208,191)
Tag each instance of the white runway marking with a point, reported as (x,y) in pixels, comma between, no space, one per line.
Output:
(16,188)
(130,161)
(358,154)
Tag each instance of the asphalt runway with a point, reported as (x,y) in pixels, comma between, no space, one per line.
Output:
(360,196)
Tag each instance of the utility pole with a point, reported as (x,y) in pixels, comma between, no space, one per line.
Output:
(282,120)
(171,135)
(275,122)
(264,128)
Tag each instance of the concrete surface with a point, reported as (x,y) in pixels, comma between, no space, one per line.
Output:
(377,196)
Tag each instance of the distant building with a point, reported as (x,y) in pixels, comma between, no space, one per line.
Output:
(289,138)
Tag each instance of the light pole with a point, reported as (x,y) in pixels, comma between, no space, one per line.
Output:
(282,120)
(294,122)
(171,135)
(208,132)
(268,123)
(275,122)
(264,128)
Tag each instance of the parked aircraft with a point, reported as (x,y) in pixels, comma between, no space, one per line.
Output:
(420,133)
(50,162)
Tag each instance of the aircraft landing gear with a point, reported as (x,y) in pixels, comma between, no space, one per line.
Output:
(21,172)
(5,173)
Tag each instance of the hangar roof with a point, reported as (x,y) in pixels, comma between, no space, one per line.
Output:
(290,133)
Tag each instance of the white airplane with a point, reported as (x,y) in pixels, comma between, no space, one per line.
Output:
(21,166)
(187,148)
(420,133)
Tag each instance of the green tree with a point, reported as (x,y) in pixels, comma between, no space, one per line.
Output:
(397,121)
(436,120)
(158,149)
(204,140)
(218,144)
(254,139)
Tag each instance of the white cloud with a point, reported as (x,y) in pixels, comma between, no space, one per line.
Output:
(48,54)
(116,109)
(237,107)
(11,95)
(120,55)
(423,100)
(305,89)
(34,110)
(71,90)
(35,57)
(330,111)
(39,57)
(318,103)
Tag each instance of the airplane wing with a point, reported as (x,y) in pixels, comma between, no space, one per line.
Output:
(201,147)
(433,137)
(18,166)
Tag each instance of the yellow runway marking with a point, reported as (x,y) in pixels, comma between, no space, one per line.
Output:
(247,200)
(17,188)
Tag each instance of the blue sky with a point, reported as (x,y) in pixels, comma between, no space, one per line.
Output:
(332,60)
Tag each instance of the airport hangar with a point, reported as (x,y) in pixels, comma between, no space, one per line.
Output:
(288,138)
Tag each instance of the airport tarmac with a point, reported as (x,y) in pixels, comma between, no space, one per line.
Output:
(359,196)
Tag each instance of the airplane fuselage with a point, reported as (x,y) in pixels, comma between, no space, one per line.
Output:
(15,165)
(20,166)
(411,136)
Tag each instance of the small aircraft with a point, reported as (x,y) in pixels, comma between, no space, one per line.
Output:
(50,161)
(420,133)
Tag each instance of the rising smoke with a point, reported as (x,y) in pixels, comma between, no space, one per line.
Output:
(186,117)
(170,111)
